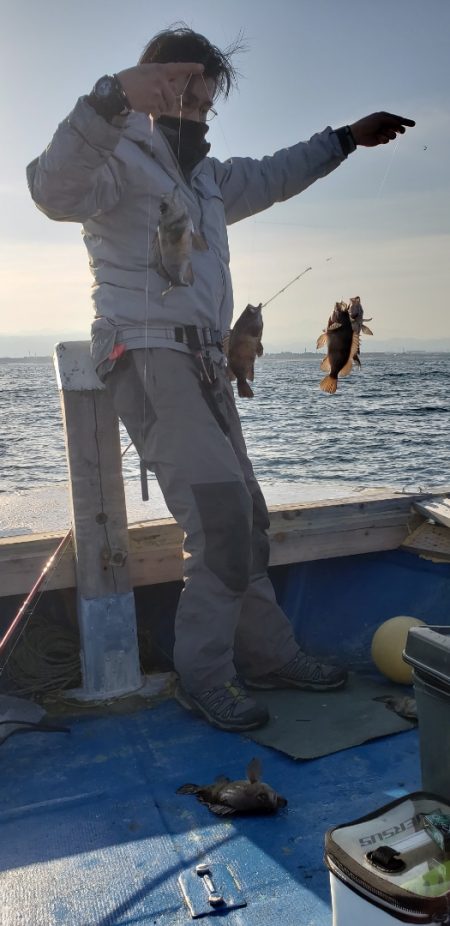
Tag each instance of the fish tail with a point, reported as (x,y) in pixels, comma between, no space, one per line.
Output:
(244,390)
(329,384)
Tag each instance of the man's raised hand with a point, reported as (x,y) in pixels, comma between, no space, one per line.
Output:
(155,88)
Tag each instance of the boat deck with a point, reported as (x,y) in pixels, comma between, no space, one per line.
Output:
(94,834)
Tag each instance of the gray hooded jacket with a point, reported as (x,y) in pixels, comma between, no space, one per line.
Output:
(110,178)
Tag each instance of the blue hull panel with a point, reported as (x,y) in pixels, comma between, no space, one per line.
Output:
(336,605)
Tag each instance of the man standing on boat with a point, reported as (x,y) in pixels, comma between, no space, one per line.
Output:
(159,351)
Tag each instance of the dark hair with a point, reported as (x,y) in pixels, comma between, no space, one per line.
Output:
(180,43)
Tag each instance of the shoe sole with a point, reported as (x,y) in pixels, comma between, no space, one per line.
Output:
(307,686)
(192,705)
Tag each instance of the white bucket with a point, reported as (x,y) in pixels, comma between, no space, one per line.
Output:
(350,909)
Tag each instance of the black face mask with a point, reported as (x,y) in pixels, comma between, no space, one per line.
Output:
(186,137)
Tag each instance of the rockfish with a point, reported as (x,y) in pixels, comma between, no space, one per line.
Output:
(244,346)
(343,346)
(174,240)
(225,797)
(355,311)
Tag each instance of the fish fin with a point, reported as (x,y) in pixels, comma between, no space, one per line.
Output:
(199,242)
(322,340)
(221,809)
(188,789)
(254,770)
(329,384)
(259,350)
(354,350)
(356,344)
(347,368)
(366,330)
(244,390)
(357,360)
(325,366)
(334,326)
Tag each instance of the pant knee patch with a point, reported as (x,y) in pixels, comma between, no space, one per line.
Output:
(225,514)
(260,540)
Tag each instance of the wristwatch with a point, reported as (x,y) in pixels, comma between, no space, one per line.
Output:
(108,97)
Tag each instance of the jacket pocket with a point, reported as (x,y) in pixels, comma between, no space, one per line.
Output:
(104,349)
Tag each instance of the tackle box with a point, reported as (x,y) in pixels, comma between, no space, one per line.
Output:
(427,649)
(392,866)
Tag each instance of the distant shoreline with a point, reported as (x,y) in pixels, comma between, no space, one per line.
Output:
(279,355)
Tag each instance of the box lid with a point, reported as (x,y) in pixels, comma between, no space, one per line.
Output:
(428,650)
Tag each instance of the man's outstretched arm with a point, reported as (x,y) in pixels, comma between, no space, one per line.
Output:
(249,185)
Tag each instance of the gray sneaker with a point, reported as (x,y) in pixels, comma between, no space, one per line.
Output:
(302,672)
(228,706)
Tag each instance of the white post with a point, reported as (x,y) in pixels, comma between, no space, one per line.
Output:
(106,610)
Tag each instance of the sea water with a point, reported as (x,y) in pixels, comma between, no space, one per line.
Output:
(387,425)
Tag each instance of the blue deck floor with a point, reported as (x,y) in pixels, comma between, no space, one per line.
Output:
(93,833)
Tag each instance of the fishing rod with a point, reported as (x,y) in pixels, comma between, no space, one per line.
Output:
(32,594)
(51,562)
(290,283)
(286,287)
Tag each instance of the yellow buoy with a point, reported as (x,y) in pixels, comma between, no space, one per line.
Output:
(388,643)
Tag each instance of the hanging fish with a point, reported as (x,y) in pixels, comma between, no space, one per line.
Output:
(343,346)
(174,240)
(227,798)
(243,348)
(355,310)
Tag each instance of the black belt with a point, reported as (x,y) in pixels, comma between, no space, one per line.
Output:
(198,338)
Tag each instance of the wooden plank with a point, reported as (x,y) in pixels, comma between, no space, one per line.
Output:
(431,541)
(298,533)
(23,558)
(97,493)
(438,509)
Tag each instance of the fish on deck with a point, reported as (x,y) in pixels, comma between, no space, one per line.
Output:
(244,347)
(227,798)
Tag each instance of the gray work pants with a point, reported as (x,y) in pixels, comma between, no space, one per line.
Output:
(227,619)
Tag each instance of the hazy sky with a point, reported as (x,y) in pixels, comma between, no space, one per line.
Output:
(383,216)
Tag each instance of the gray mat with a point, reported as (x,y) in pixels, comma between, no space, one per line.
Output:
(309,724)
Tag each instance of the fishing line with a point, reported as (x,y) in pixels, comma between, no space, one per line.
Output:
(143,467)
(181,114)
(388,168)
